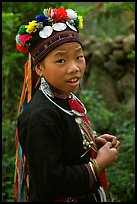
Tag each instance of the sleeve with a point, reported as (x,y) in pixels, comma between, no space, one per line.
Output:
(44,151)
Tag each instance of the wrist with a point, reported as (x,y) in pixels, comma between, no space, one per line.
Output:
(100,164)
(95,166)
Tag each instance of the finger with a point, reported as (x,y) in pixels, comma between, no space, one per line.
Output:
(108,144)
(114,140)
(102,140)
(115,152)
(109,137)
(117,146)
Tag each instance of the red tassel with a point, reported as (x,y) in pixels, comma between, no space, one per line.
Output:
(103,180)
(23,49)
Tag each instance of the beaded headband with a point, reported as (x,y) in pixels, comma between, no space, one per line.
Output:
(48,30)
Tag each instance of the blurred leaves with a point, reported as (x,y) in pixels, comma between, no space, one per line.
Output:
(8,159)
(131,55)
(121,176)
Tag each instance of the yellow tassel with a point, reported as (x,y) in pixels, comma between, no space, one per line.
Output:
(29,78)
(27,84)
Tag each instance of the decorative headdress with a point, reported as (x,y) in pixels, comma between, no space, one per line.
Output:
(48,30)
(51,28)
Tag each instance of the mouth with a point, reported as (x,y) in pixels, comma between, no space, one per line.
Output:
(74,81)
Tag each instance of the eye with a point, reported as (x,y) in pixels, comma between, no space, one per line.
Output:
(80,57)
(60,61)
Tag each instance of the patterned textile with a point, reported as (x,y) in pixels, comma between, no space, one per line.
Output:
(21,178)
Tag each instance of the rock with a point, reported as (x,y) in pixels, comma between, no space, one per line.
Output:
(106,47)
(130,106)
(119,39)
(96,46)
(129,43)
(115,72)
(126,87)
(117,45)
(89,41)
(98,57)
(119,54)
(114,68)
(106,88)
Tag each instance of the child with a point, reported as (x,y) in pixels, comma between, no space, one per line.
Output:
(58,158)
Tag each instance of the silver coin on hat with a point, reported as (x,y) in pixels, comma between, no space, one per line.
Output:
(59,26)
(71,26)
(46,32)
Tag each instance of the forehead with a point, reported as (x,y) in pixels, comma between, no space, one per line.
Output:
(68,46)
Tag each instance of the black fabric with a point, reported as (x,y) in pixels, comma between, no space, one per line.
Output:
(52,143)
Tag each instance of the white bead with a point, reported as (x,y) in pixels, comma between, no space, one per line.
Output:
(78,120)
(87,143)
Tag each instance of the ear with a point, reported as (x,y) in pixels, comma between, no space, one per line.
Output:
(38,69)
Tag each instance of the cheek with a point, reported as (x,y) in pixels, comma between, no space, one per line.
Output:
(53,75)
(83,66)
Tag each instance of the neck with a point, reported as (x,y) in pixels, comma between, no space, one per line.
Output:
(59,96)
(52,91)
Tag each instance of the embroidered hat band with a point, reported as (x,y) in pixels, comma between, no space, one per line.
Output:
(49,44)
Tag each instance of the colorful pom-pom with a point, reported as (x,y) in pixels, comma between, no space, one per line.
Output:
(61,15)
(47,12)
(24,38)
(23,49)
(48,17)
(17,39)
(72,15)
(22,29)
(80,22)
(41,17)
(31,27)
(53,13)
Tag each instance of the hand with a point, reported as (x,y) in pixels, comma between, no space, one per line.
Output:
(106,156)
(101,140)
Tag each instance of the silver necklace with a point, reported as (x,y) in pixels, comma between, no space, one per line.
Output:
(88,142)
(44,87)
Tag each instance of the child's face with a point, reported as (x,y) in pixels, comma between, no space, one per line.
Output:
(63,68)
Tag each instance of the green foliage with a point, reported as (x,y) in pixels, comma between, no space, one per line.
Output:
(12,69)
(109,19)
(27,10)
(131,55)
(8,159)
(121,176)
(96,109)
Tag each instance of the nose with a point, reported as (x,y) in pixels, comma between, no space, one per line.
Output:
(73,67)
